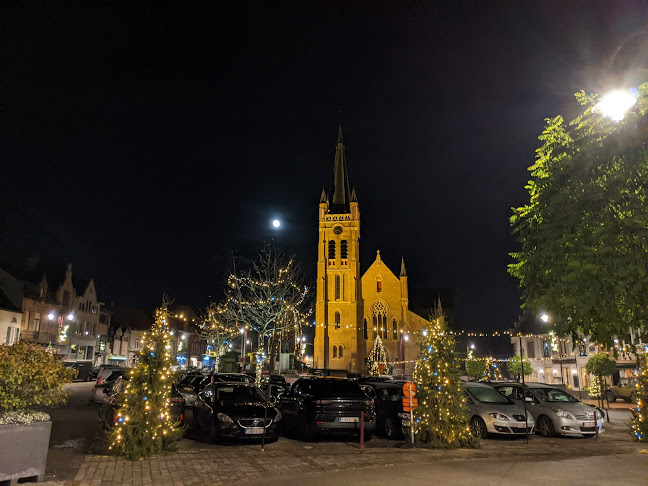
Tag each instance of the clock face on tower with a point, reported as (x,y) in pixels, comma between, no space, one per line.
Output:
(337,230)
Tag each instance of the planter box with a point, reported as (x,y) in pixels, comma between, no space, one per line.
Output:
(23,451)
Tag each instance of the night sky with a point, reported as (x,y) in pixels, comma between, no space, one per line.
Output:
(144,142)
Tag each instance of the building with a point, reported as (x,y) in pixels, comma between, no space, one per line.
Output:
(10,308)
(125,334)
(352,309)
(558,360)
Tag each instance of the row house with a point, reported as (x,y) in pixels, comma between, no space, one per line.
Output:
(10,308)
(558,360)
(125,335)
(189,349)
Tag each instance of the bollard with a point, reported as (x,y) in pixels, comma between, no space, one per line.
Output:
(362,430)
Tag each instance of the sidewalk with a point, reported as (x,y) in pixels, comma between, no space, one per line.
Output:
(197,463)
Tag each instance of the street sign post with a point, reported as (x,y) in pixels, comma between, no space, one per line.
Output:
(409,403)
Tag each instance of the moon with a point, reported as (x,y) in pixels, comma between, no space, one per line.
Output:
(276,223)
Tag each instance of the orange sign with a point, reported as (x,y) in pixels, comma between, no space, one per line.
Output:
(406,404)
(408,388)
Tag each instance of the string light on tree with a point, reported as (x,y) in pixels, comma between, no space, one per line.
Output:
(441,419)
(639,422)
(377,358)
(143,421)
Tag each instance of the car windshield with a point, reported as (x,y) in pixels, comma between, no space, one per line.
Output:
(487,394)
(553,395)
(240,394)
(335,387)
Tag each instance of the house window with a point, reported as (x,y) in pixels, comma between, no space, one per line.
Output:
(337,287)
(37,321)
(331,250)
(531,350)
(380,320)
(394,329)
(341,352)
(365,325)
(334,351)
(344,249)
(546,350)
(338,320)
(378,286)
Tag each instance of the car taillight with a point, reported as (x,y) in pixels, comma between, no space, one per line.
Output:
(322,402)
(99,381)
(181,417)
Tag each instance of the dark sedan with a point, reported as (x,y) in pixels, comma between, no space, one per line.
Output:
(327,405)
(389,408)
(235,411)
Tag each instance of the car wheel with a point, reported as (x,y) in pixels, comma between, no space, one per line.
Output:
(478,427)
(545,427)
(389,428)
(609,396)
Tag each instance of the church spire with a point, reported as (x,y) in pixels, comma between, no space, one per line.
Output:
(341,191)
(403,272)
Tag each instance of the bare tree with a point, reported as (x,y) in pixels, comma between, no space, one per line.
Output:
(218,330)
(269,297)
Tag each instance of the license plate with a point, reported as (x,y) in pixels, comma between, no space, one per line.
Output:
(349,419)
(588,424)
(254,430)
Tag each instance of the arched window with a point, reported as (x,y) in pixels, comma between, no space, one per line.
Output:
(341,352)
(338,288)
(378,286)
(394,329)
(365,325)
(380,320)
(335,351)
(344,249)
(331,250)
(338,320)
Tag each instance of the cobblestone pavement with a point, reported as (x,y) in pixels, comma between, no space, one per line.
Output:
(198,463)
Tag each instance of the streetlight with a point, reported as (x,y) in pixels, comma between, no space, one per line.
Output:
(616,104)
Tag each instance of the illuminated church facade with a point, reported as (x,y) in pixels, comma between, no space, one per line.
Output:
(352,309)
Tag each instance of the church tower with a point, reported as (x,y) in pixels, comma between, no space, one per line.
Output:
(338,308)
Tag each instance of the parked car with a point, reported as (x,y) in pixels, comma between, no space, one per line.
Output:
(233,377)
(235,411)
(97,394)
(105,370)
(388,401)
(189,387)
(555,411)
(493,413)
(326,405)
(83,368)
(625,390)
(107,415)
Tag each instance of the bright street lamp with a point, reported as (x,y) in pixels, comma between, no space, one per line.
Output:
(51,316)
(616,104)
(544,317)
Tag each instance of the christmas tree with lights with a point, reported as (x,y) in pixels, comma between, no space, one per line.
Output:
(143,421)
(441,418)
(493,371)
(639,422)
(377,358)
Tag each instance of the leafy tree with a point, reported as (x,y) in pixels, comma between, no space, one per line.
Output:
(31,376)
(513,366)
(639,422)
(441,418)
(584,229)
(475,368)
(602,366)
(144,425)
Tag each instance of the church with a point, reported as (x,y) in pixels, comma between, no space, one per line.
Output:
(353,309)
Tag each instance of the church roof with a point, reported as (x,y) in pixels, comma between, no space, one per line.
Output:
(341,187)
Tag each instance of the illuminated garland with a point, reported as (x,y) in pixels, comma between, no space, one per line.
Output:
(639,422)
(143,422)
(441,418)
(594,389)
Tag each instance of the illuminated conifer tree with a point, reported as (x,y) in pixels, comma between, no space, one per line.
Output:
(493,370)
(377,358)
(441,418)
(639,422)
(144,425)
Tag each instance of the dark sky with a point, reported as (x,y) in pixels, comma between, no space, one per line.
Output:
(143,142)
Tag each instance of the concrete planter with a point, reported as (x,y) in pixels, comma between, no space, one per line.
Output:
(23,451)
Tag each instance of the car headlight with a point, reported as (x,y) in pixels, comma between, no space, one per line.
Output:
(404,416)
(278,417)
(563,414)
(226,419)
(499,416)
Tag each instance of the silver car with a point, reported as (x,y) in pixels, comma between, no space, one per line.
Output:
(555,411)
(493,413)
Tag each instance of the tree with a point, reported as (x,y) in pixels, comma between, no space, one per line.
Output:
(493,370)
(441,418)
(475,368)
(377,359)
(601,366)
(583,230)
(218,331)
(639,422)
(268,297)
(144,425)
(513,366)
